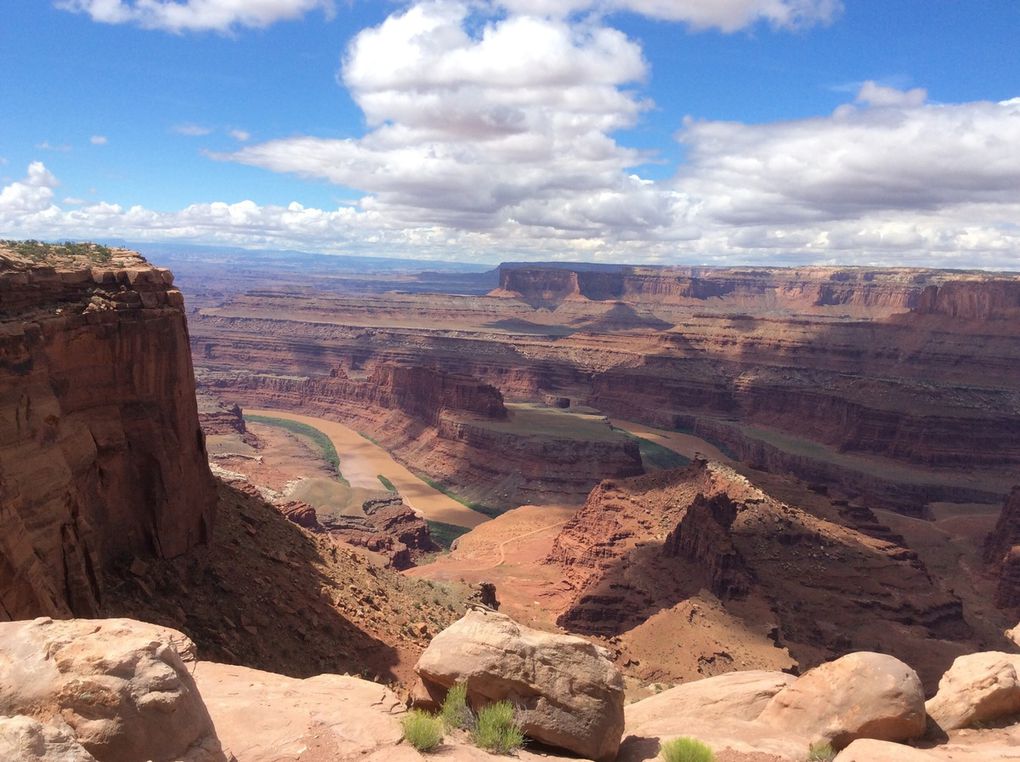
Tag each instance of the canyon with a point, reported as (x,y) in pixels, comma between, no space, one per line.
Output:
(892,386)
(737,474)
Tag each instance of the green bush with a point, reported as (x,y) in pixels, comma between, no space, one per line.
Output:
(686,750)
(455,712)
(821,752)
(423,731)
(497,730)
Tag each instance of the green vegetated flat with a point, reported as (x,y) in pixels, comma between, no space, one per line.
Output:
(444,534)
(529,419)
(654,456)
(386,483)
(487,510)
(320,440)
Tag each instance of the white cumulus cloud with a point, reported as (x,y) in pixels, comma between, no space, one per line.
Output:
(195,15)
(727,15)
(468,125)
(29,196)
(99,140)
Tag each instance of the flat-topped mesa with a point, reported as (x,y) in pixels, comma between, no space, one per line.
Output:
(873,292)
(101,456)
(992,299)
(427,393)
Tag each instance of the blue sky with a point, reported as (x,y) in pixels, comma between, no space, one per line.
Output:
(783,131)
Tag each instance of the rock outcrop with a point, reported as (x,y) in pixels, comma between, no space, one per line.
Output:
(861,695)
(101,456)
(569,695)
(389,528)
(978,688)
(121,687)
(1002,552)
(652,544)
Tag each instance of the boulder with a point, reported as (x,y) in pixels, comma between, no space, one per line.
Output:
(734,696)
(976,688)
(719,711)
(119,687)
(870,750)
(568,692)
(970,749)
(1013,635)
(860,695)
(27,740)
(265,717)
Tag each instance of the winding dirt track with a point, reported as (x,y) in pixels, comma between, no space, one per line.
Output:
(362,462)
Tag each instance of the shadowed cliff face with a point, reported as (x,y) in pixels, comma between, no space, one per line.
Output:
(1002,552)
(101,455)
(646,546)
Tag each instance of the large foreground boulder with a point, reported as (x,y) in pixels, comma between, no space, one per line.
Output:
(973,749)
(116,687)
(27,740)
(860,695)
(264,717)
(720,711)
(567,690)
(977,688)
(733,696)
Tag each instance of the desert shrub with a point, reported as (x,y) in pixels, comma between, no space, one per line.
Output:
(455,712)
(821,752)
(686,750)
(423,731)
(497,729)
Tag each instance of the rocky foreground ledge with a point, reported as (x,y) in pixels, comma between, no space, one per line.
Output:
(118,690)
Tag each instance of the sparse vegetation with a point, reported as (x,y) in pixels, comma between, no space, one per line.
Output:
(497,729)
(319,439)
(386,483)
(655,456)
(444,534)
(821,752)
(423,731)
(686,750)
(455,712)
(479,507)
(40,250)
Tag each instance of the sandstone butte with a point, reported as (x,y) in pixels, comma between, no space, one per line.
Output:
(258,619)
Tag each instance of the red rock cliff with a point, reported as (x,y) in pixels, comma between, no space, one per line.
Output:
(1002,551)
(972,300)
(101,455)
(883,291)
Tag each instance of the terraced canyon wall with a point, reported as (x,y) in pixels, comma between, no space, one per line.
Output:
(436,423)
(101,457)
(883,291)
(897,386)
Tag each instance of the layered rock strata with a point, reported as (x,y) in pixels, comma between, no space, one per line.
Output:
(440,424)
(101,456)
(647,544)
(895,386)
